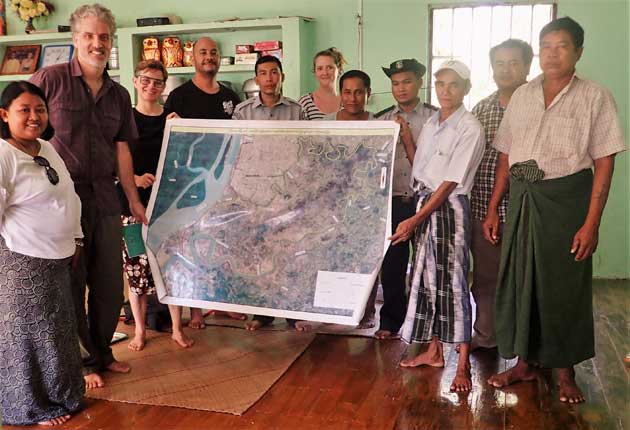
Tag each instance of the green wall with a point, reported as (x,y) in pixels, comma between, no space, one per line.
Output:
(398,29)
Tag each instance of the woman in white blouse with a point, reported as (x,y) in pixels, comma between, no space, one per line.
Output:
(327,66)
(40,234)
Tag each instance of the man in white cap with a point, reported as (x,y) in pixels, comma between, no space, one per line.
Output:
(448,153)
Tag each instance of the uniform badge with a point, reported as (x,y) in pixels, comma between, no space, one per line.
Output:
(399,64)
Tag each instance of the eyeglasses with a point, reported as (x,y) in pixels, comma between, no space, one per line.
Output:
(157,83)
(51,173)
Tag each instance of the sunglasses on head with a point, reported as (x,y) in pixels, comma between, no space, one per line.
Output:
(51,173)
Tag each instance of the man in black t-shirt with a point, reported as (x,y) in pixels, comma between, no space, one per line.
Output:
(203,96)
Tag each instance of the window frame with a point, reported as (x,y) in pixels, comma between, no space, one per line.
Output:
(473,5)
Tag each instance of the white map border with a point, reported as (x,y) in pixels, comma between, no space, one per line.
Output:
(315,127)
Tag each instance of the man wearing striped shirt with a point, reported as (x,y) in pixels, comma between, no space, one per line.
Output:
(511,61)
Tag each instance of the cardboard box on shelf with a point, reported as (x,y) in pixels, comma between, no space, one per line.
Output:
(246,58)
(244,49)
(274,53)
(267,45)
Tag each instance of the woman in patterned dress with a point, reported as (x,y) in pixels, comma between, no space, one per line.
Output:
(327,66)
(150,81)
(40,232)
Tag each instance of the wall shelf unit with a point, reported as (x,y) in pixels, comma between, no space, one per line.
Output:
(295,33)
(34,39)
(232,68)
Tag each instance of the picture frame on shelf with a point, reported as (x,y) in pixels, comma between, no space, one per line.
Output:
(20,60)
(56,54)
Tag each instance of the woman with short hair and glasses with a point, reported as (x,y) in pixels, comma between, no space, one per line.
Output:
(40,232)
(149,81)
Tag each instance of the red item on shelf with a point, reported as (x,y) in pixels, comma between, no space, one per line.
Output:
(274,53)
(244,49)
(267,45)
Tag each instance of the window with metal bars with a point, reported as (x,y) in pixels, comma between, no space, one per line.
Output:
(467,33)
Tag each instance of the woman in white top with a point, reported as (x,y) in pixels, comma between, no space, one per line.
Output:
(40,234)
(327,66)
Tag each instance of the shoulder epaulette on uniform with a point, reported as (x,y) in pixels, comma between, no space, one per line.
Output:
(429,106)
(384,111)
(246,102)
(242,104)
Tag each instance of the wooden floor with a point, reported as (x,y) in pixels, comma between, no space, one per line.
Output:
(356,383)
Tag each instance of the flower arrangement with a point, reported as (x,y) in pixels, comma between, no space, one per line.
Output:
(29,9)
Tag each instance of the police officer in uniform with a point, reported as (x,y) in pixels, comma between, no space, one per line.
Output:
(406,77)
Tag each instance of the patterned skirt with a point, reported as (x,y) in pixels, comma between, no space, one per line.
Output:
(41,366)
(136,269)
(439,303)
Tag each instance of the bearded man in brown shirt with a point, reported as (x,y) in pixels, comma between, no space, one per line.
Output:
(93,123)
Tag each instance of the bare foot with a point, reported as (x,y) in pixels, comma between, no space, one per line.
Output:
(462,381)
(93,380)
(237,316)
(182,340)
(119,367)
(433,357)
(234,315)
(196,321)
(520,372)
(366,322)
(196,324)
(568,390)
(383,334)
(475,345)
(215,313)
(55,421)
(253,325)
(302,326)
(137,343)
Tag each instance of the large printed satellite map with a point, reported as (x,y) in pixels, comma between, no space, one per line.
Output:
(278,218)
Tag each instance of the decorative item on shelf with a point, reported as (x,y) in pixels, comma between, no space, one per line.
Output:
(3,19)
(188,53)
(226,61)
(29,9)
(113,59)
(172,54)
(151,49)
(158,20)
(172,82)
(56,54)
(174,19)
(20,59)
(250,88)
